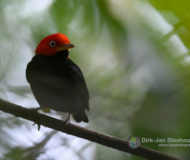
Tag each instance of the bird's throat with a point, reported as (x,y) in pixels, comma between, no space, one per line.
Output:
(63,54)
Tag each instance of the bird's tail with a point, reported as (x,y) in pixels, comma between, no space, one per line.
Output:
(80,116)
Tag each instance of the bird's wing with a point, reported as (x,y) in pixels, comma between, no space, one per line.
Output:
(79,83)
(28,69)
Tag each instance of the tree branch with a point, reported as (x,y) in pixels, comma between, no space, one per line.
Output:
(81,132)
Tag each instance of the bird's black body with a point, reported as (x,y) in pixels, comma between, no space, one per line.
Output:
(58,83)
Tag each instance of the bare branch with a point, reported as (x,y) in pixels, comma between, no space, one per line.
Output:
(81,132)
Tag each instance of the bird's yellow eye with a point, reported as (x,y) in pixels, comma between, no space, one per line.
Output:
(52,43)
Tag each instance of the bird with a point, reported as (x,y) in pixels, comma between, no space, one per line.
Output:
(56,81)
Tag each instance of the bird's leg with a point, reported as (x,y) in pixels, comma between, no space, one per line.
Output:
(36,110)
(44,109)
(37,125)
(68,119)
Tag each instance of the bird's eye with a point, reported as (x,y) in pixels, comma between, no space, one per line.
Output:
(52,43)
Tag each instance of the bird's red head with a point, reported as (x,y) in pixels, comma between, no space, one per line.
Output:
(53,44)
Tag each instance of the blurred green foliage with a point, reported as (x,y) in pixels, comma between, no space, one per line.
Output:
(135,58)
(180,10)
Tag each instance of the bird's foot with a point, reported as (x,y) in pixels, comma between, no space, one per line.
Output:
(37,125)
(36,110)
(67,121)
(45,109)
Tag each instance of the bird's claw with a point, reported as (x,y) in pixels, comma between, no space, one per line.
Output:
(37,125)
(36,110)
(67,121)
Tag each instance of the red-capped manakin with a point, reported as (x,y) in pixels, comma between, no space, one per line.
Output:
(56,81)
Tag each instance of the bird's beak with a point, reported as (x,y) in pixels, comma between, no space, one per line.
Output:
(65,46)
